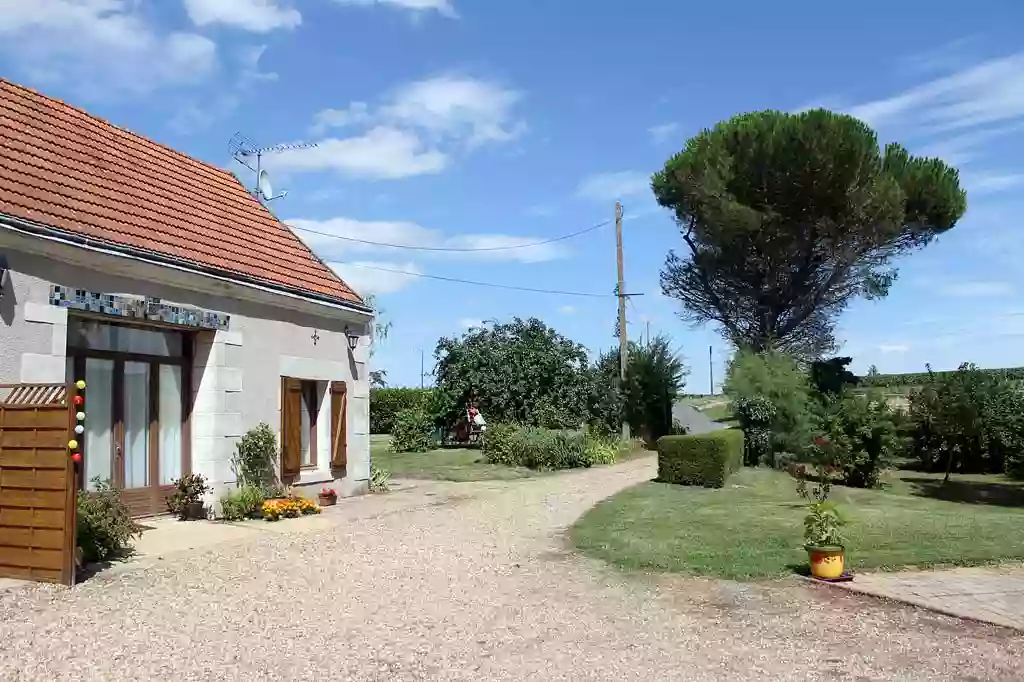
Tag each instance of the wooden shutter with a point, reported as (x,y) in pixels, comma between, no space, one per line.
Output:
(291,427)
(339,426)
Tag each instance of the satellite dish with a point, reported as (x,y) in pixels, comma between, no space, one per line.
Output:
(266,190)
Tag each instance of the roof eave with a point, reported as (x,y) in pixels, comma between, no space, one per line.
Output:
(50,233)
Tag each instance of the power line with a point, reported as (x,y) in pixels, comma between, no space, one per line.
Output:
(453,249)
(479,284)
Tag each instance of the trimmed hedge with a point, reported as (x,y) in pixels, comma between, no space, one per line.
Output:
(386,403)
(706,459)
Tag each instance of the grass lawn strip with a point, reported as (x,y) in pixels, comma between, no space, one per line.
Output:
(752,528)
(451,464)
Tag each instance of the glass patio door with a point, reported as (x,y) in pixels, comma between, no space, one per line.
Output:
(135,410)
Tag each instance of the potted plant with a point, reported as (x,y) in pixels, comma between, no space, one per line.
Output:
(328,497)
(187,499)
(824,541)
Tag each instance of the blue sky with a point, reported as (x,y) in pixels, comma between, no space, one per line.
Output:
(483,123)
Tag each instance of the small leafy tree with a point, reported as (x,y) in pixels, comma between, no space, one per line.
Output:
(779,380)
(968,421)
(861,437)
(254,461)
(655,376)
(520,372)
(413,431)
(756,415)
(787,218)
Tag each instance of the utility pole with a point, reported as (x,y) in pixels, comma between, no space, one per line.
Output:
(422,373)
(623,343)
(711,371)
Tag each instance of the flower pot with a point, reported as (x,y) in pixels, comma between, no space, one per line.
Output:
(327,500)
(827,563)
(193,511)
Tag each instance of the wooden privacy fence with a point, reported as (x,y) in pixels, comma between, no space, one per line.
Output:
(37,483)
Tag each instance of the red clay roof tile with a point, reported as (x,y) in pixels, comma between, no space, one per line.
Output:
(71,171)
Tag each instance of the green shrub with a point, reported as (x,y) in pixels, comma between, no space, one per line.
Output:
(706,459)
(605,449)
(756,416)
(536,448)
(243,503)
(386,403)
(859,438)
(413,431)
(255,460)
(504,444)
(105,528)
(380,480)
(190,489)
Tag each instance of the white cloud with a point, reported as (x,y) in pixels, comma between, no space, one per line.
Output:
(567,310)
(539,211)
(442,7)
(985,182)
(356,113)
(893,348)
(413,131)
(409,234)
(257,16)
(470,323)
(613,186)
(985,93)
(475,110)
(663,132)
(101,45)
(381,153)
(365,278)
(976,289)
(201,114)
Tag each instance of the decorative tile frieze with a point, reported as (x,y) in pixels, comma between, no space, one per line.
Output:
(132,307)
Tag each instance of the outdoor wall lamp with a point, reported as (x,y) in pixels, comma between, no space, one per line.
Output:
(353,339)
(5,274)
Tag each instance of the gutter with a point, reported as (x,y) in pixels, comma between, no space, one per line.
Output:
(51,234)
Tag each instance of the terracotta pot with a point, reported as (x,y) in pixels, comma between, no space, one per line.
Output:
(327,500)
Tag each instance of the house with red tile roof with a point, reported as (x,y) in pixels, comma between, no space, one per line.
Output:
(189,310)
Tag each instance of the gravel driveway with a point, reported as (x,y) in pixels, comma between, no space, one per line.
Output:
(469,582)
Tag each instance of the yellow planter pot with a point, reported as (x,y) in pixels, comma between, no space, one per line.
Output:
(826,562)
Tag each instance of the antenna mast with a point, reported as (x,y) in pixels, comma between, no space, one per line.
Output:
(243,150)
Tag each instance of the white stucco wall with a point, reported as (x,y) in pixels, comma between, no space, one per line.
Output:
(236,378)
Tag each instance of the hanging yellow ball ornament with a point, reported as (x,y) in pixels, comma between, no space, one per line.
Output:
(80,416)
(80,384)
(72,444)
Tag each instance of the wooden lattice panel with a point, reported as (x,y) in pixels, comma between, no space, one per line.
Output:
(37,483)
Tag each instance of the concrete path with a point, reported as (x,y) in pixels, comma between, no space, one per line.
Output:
(991,595)
(468,582)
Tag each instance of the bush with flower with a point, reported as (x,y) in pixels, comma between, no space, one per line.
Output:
(288,508)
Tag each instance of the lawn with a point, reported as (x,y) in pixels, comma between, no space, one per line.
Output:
(752,528)
(451,464)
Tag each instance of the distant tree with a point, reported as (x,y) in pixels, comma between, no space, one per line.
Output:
(520,372)
(873,371)
(829,377)
(787,218)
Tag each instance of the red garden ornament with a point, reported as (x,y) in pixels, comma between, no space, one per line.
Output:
(76,458)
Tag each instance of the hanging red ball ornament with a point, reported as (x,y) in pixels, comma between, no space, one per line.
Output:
(76,458)
(78,400)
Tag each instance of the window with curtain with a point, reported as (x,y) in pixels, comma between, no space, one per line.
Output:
(170,417)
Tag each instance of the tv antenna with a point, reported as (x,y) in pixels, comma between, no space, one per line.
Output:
(243,150)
